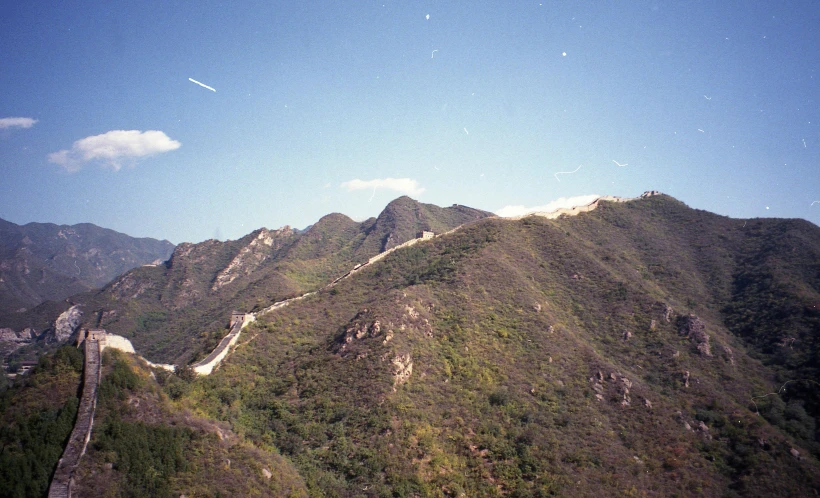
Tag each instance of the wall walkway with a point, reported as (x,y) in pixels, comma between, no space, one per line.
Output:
(78,441)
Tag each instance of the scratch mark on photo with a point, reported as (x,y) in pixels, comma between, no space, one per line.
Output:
(203,85)
(566,172)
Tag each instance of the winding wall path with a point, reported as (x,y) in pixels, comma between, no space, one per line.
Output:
(77,442)
(80,435)
(207,365)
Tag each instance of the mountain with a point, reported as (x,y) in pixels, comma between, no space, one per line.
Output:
(176,311)
(642,348)
(43,261)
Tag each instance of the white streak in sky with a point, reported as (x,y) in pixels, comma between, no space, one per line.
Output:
(815,202)
(701,130)
(433,54)
(804,143)
(566,172)
(619,164)
(203,85)
(707,98)
(465,131)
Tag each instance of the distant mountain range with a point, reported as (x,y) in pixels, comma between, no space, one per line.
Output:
(43,261)
(642,348)
(165,309)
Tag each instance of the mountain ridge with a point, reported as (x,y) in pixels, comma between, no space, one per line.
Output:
(44,261)
(150,305)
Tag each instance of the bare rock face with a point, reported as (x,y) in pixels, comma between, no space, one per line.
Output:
(704,429)
(252,255)
(362,326)
(694,328)
(729,355)
(402,369)
(667,313)
(412,319)
(66,324)
(25,336)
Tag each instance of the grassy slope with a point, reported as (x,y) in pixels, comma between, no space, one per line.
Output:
(499,402)
(143,446)
(172,314)
(508,325)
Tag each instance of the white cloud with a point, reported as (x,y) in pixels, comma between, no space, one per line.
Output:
(563,202)
(402,185)
(16,122)
(113,147)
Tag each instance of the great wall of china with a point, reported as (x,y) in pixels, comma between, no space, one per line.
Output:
(61,482)
(96,340)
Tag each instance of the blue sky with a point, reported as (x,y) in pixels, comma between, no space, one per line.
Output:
(342,106)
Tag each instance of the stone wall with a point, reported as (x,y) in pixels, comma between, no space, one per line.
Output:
(206,366)
(78,441)
(572,211)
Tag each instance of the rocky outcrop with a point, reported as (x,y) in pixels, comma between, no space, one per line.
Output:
(25,336)
(10,340)
(695,329)
(361,326)
(251,256)
(66,324)
(667,313)
(402,369)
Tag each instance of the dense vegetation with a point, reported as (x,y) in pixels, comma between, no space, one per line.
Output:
(524,318)
(38,416)
(642,349)
(143,447)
